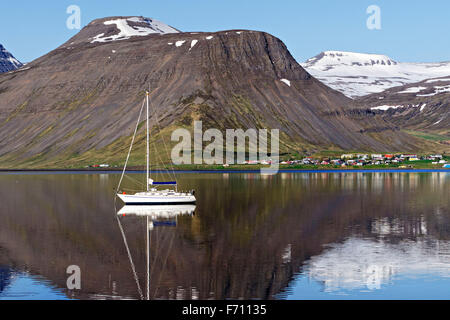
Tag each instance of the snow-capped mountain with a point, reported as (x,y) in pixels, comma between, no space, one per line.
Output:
(359,74)
(7,61)
(113,29)
(133,26)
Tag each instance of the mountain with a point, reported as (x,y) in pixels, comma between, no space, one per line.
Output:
(78,104)
(120,28)
(7,61)
(359,74)
(423,108)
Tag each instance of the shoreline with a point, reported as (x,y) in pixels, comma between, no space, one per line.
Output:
(284,170)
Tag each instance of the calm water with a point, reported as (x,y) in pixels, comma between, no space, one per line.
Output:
(289,236)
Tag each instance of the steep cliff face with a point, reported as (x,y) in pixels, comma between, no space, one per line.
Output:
(86,94)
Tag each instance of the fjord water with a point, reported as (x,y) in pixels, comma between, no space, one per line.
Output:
(289,236)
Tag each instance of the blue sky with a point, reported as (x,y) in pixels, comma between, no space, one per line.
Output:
(413,31)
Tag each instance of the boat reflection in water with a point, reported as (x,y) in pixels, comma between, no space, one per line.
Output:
(155,215)
(157,212)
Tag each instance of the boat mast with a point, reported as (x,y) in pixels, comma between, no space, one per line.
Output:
(148,261)
(148,143)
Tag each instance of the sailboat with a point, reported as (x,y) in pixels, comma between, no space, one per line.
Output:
(152,195)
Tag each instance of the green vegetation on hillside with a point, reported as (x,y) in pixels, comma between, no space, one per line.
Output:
(429,136)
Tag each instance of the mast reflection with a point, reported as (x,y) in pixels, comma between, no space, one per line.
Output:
(155,216)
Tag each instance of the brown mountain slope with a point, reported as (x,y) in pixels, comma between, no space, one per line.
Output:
(83,98)
(421,109)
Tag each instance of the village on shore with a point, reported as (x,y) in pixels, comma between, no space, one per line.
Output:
(344,160)
(359,160)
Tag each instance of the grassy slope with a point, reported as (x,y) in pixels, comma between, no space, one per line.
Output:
(115,153)
(432,136)
(161,145)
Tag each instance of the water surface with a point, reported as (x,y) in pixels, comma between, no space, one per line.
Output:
(327,235)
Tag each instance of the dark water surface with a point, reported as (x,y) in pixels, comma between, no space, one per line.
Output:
(290,236)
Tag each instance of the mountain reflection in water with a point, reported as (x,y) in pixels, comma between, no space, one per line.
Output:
(251,236)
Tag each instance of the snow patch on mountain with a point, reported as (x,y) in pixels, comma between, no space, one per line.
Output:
(180,43)
(437,90)
(438,80)
(193,43)
(386,107)
(132,27)
(359,74)
(413,90)
(439,121)
(286,81)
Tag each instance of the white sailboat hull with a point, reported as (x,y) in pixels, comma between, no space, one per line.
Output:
(143,198)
